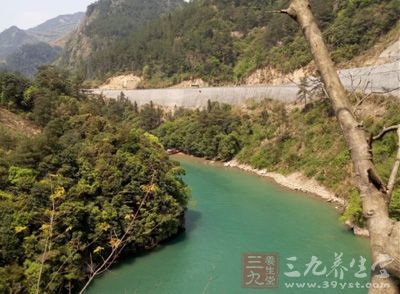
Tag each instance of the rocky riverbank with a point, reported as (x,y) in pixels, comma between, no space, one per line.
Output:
(298,182)
(295,181)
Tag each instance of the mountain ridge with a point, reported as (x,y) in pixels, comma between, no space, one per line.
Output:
(24,50)
(12,38)
(57,27)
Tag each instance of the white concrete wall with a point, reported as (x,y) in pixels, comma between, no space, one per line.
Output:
(198,97)
(374,78)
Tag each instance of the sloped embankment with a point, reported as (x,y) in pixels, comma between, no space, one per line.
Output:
(17,124)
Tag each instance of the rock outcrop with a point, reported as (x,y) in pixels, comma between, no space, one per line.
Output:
(124,82)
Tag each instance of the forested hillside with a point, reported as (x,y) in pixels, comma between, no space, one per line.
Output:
(224,41)
(108,22)
(29,57)
(91,183)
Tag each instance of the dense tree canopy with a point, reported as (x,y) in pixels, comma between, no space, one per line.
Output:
(211,133)
(29,57)
(225,41)
(68,195)
(12,89)
(108,22)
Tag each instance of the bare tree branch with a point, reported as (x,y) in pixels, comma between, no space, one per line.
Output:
(116,248)
(395,169)
(48,241)
(385,131)
(284,11)
(362,100)
(396,165)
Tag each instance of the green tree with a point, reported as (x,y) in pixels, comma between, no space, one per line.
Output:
(12,87)
(53,79)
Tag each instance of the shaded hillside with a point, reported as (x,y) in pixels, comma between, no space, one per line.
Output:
(225,41)
(23,51)
(29,57)
(56,28)
(109,21)
(13,38)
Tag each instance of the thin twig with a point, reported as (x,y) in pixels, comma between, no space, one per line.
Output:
(277,11)
(395,169)
(396,165)
(385,131)
(115,250)
(47,246)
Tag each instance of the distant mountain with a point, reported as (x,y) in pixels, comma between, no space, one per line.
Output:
(24,51)
(29,57)
(56,28)
(13,38)
(108,21)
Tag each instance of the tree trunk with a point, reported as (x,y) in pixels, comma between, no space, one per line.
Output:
(384,232)
(395,170)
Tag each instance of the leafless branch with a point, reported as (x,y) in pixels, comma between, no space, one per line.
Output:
(395,169)
(284,11)
(48,241)
(361,101)
(68,259)
(116,249)
(385,131)
(396,165)
(386,91)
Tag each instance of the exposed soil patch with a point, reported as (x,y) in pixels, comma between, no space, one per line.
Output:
(16,123)
(125,82)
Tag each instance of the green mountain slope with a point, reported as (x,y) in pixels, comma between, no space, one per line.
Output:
(29,57)
(225,41)
(110,21)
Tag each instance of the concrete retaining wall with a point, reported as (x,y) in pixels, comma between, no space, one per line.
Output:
(198,97)
(379,78)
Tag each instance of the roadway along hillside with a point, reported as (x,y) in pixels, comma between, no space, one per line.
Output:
(382,78)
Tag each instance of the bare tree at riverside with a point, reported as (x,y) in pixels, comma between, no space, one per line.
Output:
(120,243)
(375,195)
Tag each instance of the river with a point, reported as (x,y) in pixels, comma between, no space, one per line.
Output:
(233,213)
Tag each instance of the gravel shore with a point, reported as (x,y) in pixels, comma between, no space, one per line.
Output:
(295,181)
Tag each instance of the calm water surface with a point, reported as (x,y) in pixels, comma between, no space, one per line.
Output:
(233,213)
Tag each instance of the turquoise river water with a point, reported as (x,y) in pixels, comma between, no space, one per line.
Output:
(234,213)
